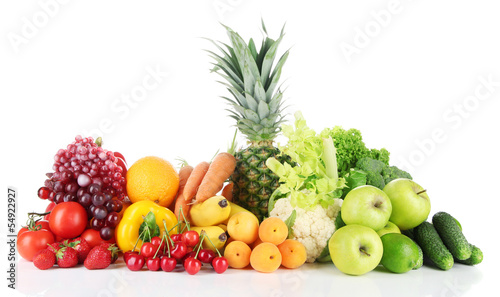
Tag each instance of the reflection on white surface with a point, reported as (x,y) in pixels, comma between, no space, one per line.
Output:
(310,280)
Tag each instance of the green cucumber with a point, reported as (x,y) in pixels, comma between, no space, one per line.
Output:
(433,247)
(452,235)
(476,256)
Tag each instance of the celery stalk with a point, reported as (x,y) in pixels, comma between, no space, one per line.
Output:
(330,158)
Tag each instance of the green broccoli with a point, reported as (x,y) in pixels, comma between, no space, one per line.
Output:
(392,172)
(370,165)
(379,174)
(375,179)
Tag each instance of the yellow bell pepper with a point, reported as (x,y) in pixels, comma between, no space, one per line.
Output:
(127,231)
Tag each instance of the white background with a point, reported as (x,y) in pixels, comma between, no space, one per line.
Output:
(412,82)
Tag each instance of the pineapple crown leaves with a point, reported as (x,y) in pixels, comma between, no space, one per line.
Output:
(253,83)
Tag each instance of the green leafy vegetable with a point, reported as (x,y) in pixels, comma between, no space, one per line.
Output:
(290,222)
(149,228)
(314,178)
(378,174)
(350,148)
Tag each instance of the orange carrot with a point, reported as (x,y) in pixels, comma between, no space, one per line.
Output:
(194,180)
(219,171)
(184,174)
(227,192)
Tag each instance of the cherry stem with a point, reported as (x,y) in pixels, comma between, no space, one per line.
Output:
(137,241)
(202,237)
(421,192)
(212,243)
(168,237)
(185,220)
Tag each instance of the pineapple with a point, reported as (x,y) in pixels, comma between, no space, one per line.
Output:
(256,106)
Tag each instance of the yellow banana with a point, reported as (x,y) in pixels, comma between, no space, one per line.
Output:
(223,226)
(216,234)
(212,211)
(235,208)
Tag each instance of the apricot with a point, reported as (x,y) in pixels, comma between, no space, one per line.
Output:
(265,257)
(293,253)
(273,230)
(243,226)
(237,254)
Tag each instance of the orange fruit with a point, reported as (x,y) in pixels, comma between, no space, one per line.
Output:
(152,178)
(265,257)
(293,253)
(273,230)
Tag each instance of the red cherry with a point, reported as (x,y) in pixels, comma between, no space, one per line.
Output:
(206,255)
(178,250)
(192,265)
(153,264)
(176,237)
(148,249)
(190,238)
(126,255)
(220,264)
(167,264)
(135,262)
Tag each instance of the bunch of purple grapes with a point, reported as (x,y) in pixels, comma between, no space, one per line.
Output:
(86,173)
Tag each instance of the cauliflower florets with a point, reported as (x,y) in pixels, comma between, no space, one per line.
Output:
(313,228)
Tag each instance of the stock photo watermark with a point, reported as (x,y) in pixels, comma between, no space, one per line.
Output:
(452,118)
(122,106)
(364,34)
(222,7)
(11,237)
(32,25)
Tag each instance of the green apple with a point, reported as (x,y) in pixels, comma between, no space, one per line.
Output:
(368,206)
(355,249)
(390,227)
(410,203)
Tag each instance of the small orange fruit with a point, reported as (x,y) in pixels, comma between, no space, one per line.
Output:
(273,230)
(237,254)
(293,253)
(152,178)
(265,257)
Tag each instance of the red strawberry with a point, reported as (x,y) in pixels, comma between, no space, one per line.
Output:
(99,257)
(82,247)
(113,249)
(67,257)
(44,259)
(54,247)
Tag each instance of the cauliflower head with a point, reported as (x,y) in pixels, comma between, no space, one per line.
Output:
(313,228)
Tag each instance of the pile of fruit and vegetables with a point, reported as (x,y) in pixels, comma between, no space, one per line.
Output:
(320,197)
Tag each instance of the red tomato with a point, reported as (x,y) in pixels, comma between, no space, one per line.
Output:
(30,242)
(94,238)
(43,225)
(68,219)
(49,208)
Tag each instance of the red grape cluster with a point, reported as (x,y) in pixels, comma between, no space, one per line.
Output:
(86,173)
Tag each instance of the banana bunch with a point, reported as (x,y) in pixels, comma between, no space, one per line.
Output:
(207,216)
(212,216)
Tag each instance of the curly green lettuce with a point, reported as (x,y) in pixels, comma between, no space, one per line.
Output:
(351,148)
(314,178)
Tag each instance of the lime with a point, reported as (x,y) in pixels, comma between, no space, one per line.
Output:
(400,253)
